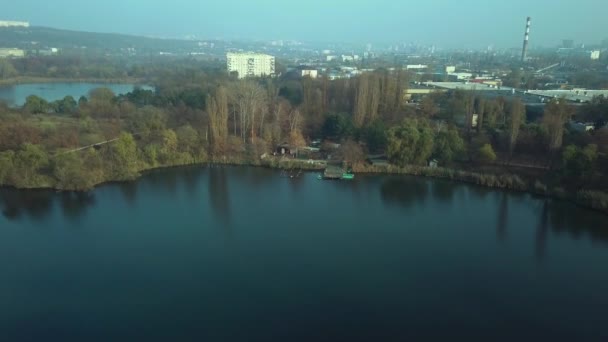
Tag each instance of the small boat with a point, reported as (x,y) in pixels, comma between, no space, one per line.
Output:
(348,176)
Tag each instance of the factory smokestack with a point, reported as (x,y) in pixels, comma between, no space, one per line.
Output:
(524,52)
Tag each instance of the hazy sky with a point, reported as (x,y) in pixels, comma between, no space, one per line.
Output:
(450,23)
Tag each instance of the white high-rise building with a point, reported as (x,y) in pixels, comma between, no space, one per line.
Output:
(595,55)
(250,64)
(4,23)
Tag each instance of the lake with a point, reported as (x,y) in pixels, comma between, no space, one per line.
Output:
(244,254)
(16,95)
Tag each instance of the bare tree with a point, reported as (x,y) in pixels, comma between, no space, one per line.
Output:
(294,120)
(374,96)
(481,111)
(362,100)
(248,99)
(221,100)
(557,113)
(517,111)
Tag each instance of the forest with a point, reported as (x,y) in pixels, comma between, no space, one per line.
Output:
(198,115)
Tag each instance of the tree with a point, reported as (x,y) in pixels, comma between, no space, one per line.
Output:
(147,121)
(188,140)
(556,114)
(596,111)
(70,173)
(428,107)
(7,70)
(376,136)
(6,166)
(36,105)
(101,104)
(448,145)
(514,78)
(486,153)
(410,143)
(362,101)
(338,126)
(67,105)
(517,112)
(579,163)
(27,163)
(122,159)
(296,139)
(481,111)
(101,94)
(217,109)
(248,99)
(351,152)
(374,96)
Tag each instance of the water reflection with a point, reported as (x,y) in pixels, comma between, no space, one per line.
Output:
(74,205)
(503,217)
(191,176)
(405,191)
(541,231)
(443,191)
(16,204)
(219,195)
(296,180)
(129,192)
(576,221)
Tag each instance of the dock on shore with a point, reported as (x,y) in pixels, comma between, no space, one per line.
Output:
(333,172)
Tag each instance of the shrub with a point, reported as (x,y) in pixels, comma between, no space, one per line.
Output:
(486,153)
(540,188)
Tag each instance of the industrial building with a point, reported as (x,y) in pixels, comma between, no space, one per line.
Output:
(573,95)
(10,52)
(312,73)
(250,64)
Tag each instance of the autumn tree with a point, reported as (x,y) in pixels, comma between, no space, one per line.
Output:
(7,159)
(361,101)
(122,161)
(517,112)
(428,107)
(448,145)
(486,153)
(480,108)
(28,162)
(36,105)
(375,94)
(410,143)
(351,152)
(7,70)
(248,99)
(556,114)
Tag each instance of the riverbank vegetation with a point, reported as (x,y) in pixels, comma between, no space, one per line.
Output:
(200,115)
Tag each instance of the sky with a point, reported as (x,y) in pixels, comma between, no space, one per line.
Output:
(445,23)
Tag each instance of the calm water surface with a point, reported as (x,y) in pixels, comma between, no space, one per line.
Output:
(17,94)
(242,254)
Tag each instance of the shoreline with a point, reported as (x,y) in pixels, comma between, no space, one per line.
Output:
(35,79)
(503,182)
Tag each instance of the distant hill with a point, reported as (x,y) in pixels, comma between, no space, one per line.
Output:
(38,38)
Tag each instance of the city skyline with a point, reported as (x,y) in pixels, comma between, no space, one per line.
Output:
(466,24)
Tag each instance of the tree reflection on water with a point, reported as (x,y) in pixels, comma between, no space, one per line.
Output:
(404,191)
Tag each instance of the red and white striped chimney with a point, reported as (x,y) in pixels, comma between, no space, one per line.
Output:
(524,52)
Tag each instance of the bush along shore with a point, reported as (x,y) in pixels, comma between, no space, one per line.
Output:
(596,200)
(68,176)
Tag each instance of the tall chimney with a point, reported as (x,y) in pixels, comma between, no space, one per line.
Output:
(524,52)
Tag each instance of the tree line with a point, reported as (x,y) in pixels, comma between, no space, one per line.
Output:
(198,115)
